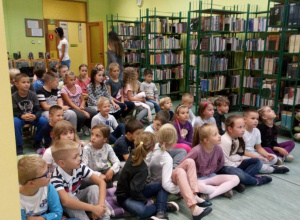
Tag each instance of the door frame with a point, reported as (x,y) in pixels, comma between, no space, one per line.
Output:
(100,25)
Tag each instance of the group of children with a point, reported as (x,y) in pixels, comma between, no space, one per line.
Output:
(179,153)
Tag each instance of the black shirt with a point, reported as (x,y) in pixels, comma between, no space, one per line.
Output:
(268,135)
(122,147)
(47,135)
(219,120)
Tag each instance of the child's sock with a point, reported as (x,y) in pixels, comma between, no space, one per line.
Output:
(197,211)
(198,199)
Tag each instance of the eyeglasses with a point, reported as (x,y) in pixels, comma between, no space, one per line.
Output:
(39,177)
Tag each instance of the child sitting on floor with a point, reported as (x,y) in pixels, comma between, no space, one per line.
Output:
(161,118)
(166,104)
(39,82)
(188,99)
(205,114)
(98,153)
(222,105)
(38,197)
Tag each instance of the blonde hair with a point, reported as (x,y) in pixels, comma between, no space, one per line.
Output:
(61,148)
(101,101)
(202,132)
(129,78)
(112,66)
(163,101)
(61,127)
(221,100)
(261,113)
(186,96)
(28,168)
(69,73)
(143,144)
(167,136)
(12,73)
(202,106)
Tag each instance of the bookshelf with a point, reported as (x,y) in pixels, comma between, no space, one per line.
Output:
(128,30)
(214,56)
(163,36)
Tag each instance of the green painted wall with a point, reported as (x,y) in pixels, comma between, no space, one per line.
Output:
(15,11)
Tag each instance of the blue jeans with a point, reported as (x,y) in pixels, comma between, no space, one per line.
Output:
(118,132)
(66,62)
(19,123)
(246,171)
(144,211)
(123,112)
(156,105)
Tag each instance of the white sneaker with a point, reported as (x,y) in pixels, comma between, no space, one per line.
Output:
(279,161)
(289,158)
(86,131)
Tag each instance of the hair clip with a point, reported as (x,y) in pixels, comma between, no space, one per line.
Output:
(141,143)
(205,103)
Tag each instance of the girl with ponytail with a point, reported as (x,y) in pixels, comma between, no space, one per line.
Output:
(132,191)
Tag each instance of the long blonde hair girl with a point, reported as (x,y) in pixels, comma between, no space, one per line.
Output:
(129,78)
(143,144)
(167,137)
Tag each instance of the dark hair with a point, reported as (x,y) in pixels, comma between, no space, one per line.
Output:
(94,72)
(115,43)
(54,108)
(202,106)
(19,76)
(39,72)
(79,76)
(147,71)
(105,130)
(132,125)
(248,111)
(221,100)
(163,116)
(59,31)
(50,76)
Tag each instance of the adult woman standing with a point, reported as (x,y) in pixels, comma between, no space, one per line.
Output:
(63,48)
(115,53)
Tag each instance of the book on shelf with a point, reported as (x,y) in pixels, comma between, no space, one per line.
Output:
(213,84)
(164,42)
(162,25)
(128,29)
(193,44)
(132,58)
(267,102)
(294,43)
(271,65)
(219,43)
(213,63)
(223,23)
(294,16)
(131,44)
(286,119)
(269,88)
(276,15)
(257,24)
(273,42)
(194,24)
(252,82)
(251,99)
(166,58)
(291,97)
(233,98)
(292,70)
(254,44)
(253,63)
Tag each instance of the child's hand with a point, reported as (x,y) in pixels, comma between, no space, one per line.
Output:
(282,151)
(116,106)
(109,174)
(263,159)
(26,117)
(34,218)
(143,99)
(270,157)
(86,114)
(151,97)
(98,211)
(65,107)
(81,107)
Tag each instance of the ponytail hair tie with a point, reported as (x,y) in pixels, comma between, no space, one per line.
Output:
(205,103)
(141,142)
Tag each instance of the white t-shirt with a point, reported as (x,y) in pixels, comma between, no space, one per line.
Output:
(150,129)
(192,116)
(111,122)
(252,139)
(59,47)
(48,157)
(199,121)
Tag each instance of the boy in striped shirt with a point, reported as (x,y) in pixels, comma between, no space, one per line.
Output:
(67,178)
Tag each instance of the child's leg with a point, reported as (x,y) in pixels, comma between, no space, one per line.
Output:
(244,177)
(156,106)
(143,112)
(269,150)
(221,183)
(177,155)
(251,166)
(118,132)
(81,118)
(185,177)
(155,188)
(138,208)
(130,106)
(71,117)
(74,213)
(183,146)
(287,145)
(92,113)
(272,162)
(19,123)
(39,125)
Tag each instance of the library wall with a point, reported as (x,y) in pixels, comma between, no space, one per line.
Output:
(9,189)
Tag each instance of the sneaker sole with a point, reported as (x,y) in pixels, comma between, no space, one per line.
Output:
(176,205)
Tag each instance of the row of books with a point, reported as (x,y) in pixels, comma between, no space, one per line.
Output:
(216,83)
(276,15)
(162,25)
(253,63)
(269,89)
(252,82)
(255,44)
(294,14)
(271,65)
(168,87)
(128,29)
(294,43)
(209,63)
(167,73)
(286,119)
(215,43)
(165,42)
(292,70)
(257,24)
(166,58)
(132,58)
(132,44)
(223,23)
(251,99)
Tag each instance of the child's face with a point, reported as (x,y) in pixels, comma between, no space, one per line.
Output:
(97,139)
(99,77)
(208,111)
(148,78)
(100,67)
(63,71)
(132,137)
(251,120)
(214,137)
(23,84)
(70,81)
(183,114)
(156,125)
(43,177)
(268,113)
(104,108)
(168,105)
(57,116)
(72,160)
(115,72)
(83,71)
(67,135)
(189,102)
(238,129)
(54,84)
(223,108)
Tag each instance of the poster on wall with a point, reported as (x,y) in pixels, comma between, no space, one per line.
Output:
(64,26)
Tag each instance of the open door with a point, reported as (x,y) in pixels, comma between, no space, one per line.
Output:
(95,44)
